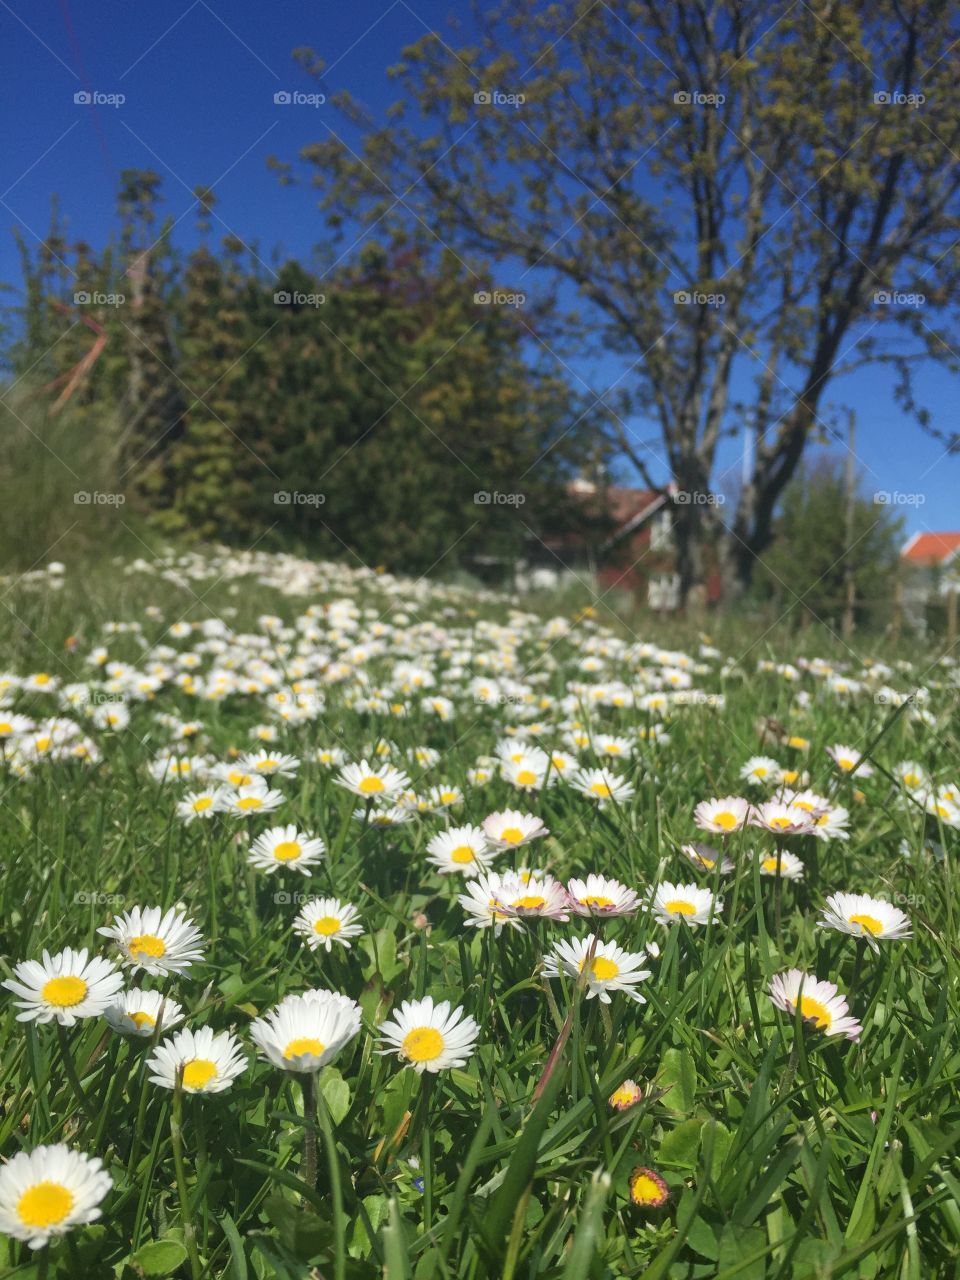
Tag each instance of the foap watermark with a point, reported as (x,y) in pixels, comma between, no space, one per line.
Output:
(484,498)
(94,898)
(294,498)
(285,298)
(695,298)
(498,298)
(294,98)
(496,98)
(96,98)
(695,98)
(284,898)
(82,298)
(897,298)
(894,498)
(86,498)
(893,98)
(698,498)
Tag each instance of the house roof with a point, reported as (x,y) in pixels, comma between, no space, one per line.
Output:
(931,548)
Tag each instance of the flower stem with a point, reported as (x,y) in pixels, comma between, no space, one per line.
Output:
(71,1073)
(176,1142)
(336,1189)
(308,1165)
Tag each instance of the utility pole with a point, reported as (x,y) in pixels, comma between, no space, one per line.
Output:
(849,583)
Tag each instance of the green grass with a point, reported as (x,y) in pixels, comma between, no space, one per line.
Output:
(787,1155)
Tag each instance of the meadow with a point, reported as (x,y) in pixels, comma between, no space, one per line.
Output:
(352,926)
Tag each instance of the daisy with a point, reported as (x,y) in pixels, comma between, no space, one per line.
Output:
(430,1037)
(324,921)
(671,903)
(598,896)
(205,1061)
(176,768)
(200,804)
(531,895)
(46,1191)
(250,800)
(462,850)
(787,865)
(394,815)
(155,942)
(647,1189)
(270,764)
(141,1013)
(946,810)
(510,829)
(849,760)
(329,757)
(528,774)
(761,769)
(286,847)
(705,857)
(782,819)
(483,906)
(381,783)
(320,996)
(820,1003)
(864,917)
(601,785)
(444,796)
(302,1034)
(611,969)
(625,1096)
(65,987)
(722,816)
(911,775)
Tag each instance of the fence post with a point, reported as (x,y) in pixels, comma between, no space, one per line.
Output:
(952,617)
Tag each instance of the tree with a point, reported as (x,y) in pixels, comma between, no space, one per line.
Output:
(810,551)
(731,188)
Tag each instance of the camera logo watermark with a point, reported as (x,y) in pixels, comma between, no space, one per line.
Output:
(294,498)
(483,498)
(498,298)
(282,298)
(84,498)
(84,299)
(494,98)
(896,99)
(694,98)
(694,298)
(886,498)
(696,498)
(294,98)
(896,298)
(93,898)
(94,98)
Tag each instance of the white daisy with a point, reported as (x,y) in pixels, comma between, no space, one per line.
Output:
(324,921)
(673,903)
(510,829)
(270,764)
(45,1192)
(286,847)
(200,804)
(142,1013)
(482,904)
(820,1003)
(787,865)
(155,942)
(532,896)
(248,801)
(611,969)
(602,785)
(382,782)
(66,987)
(722,816)
(761,770)
(599,896)
(460,850)
(849,760)
(430,1037)
(783,819)
(864,917)
(206,1061)
(705,857)
(302,1034)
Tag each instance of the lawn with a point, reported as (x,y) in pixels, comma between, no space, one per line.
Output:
(620,1094)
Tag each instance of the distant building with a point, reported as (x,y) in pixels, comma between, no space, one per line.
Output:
(930,567)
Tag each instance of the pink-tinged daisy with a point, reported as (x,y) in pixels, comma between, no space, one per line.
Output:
(783,819)
(481,902)
(625,1096)
(532,896)
(647,1189)
(511,828)
(864,917)
(723,816)
(819,1002)
(598,896)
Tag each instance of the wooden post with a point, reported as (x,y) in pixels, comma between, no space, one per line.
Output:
(897,623)
(850,586)
(951,617)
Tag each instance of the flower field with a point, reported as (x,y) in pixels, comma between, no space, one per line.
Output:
(359,927)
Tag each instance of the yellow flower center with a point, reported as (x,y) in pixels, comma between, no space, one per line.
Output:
(239,779)
(771,864)
(597,900)
(526,777)
(305,1044)
(64,992)
(43,744)
(600,789)
(780,823)
(845,762)
(726,820)
(530,902)
(603,970)
(249,802)
(806,805)
(911,779)
(423,1044)
(623,1097)
(790,775)
(6,726)
(645,1190)
(287,851)
(42,678)
(269,764)
(680,907)
(463,853)
(327,926)
(760,771)
(147,944)
(198,1073)
(371,785)
(815,1011)
(511,835)
(44,1204)
(202,803)
(797,742)
(141,1020)
(869,924)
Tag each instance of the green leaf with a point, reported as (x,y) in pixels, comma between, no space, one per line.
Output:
(678,1076)
(681,1145)
(159,1257)
(336,1093)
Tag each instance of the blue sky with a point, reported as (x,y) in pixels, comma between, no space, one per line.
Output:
(199,80)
